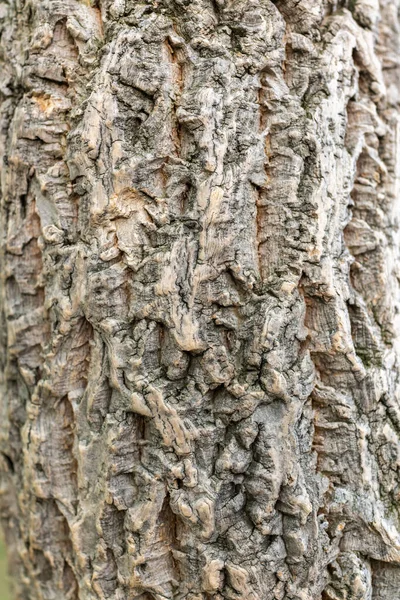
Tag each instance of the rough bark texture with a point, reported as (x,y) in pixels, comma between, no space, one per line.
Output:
(199,263)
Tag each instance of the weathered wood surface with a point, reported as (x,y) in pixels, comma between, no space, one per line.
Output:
(199,295)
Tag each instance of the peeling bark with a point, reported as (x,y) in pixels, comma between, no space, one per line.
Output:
(199,299)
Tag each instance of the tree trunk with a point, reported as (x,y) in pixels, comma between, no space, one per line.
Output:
(200,273)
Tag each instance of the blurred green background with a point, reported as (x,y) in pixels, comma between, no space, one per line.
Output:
(4,590)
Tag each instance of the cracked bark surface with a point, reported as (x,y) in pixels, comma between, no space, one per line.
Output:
(199,299)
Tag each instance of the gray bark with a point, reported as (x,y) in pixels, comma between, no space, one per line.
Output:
(199,295)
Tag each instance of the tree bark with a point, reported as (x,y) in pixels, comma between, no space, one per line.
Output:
(199,295)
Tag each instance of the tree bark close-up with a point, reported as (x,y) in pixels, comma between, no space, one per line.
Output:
(199,298)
